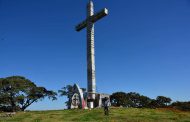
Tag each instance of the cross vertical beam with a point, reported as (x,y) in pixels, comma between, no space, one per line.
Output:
(90,54)
(89,24)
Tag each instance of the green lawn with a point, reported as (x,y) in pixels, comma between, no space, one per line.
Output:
(116,115)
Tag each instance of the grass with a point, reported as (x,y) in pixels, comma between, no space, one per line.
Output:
(97,115)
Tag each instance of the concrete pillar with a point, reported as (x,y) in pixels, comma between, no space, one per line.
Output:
(90,105)
(90,54)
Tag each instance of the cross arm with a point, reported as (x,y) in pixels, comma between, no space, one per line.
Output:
(81,26)
(93,18)
(99,15)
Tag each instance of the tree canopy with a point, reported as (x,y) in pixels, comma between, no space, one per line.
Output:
(17,93)
(163,101)
(133,99)
(119,99)
(66,91)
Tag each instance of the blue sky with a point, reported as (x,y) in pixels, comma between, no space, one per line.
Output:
(142,46)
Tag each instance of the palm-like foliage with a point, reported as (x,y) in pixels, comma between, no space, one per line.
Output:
(67,91)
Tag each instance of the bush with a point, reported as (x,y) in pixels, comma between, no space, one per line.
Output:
(184,106)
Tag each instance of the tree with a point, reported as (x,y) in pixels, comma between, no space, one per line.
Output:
(133,99)
(163,101)
(18,93)
(118,99)
(67,91)
(144,102)
(153,104)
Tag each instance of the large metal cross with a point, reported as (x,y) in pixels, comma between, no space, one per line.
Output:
(89,24)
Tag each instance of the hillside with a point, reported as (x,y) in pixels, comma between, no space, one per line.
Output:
(117,114)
